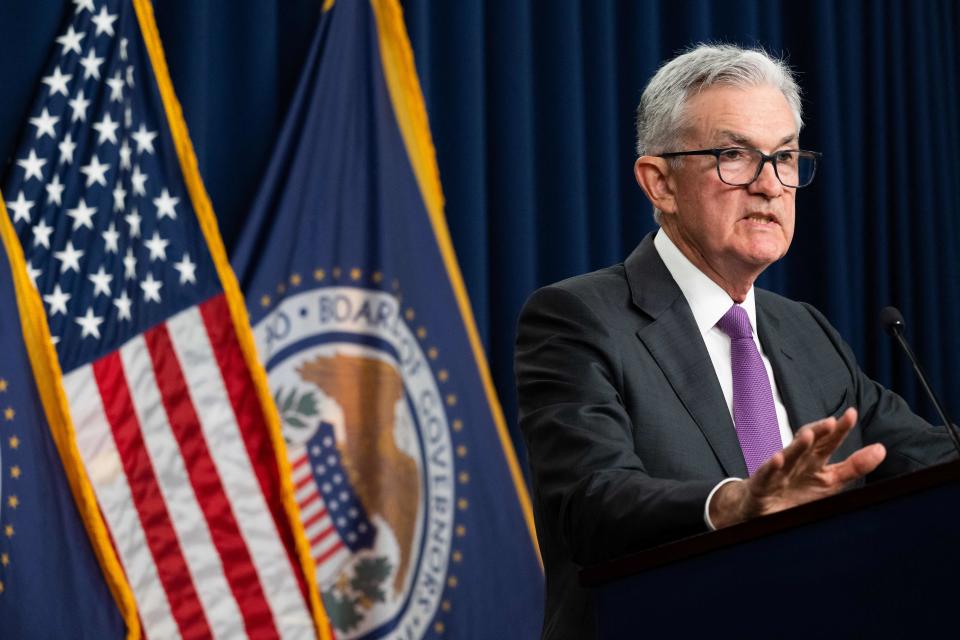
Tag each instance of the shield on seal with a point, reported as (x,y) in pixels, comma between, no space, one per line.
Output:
(334,519)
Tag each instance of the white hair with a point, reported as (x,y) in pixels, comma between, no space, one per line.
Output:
(660,114)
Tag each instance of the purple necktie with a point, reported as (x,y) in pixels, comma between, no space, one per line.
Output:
(754,415)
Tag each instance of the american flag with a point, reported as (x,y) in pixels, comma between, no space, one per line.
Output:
(335,521)
(168,419)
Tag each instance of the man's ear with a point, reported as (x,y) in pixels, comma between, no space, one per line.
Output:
(653,176)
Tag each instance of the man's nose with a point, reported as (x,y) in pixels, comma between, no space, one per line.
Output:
(767,183)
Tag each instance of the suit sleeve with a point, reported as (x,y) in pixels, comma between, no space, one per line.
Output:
(593,495)
(911,442)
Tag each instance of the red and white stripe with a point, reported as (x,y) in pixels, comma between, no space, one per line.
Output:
(177,451)
(328,550)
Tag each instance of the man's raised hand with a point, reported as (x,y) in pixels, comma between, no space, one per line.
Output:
(799,473)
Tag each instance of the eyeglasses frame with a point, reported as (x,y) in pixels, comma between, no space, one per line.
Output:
(764,158)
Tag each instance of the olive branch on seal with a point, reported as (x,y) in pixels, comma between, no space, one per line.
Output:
(349,600)
(296,409)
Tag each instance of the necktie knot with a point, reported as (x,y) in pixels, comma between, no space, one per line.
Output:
(736,323)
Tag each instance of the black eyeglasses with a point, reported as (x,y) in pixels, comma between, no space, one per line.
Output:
(740,166)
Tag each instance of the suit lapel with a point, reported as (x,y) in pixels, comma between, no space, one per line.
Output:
(797,387)
(674,342)
(785,343)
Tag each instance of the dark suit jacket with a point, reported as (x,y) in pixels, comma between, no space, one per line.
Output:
(628,431)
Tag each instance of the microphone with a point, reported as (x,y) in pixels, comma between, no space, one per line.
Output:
(892,321)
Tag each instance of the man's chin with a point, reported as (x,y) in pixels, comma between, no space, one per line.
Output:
(767,245)
(764,256)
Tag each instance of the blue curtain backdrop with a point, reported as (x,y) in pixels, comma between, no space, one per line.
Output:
(531,106)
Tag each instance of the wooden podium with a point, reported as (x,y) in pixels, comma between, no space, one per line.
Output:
(881,561)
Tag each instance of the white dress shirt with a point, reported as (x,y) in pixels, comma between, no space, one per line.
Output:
(709,302)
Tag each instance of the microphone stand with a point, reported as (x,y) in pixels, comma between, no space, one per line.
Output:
(892,321)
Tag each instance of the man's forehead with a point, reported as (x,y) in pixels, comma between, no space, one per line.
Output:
(745,116)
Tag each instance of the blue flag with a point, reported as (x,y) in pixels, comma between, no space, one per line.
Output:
(409,492)
(51,584)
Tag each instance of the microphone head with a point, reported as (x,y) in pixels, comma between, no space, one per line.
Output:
(892,320)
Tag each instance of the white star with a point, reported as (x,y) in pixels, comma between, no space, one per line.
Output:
(69,257)
(84,4)
(125,154)
(82,215)
(44,124)
(116,87)
(91,65)
(95,171)
(104,22)
(55,191)
(151,288)
(157,247)
(33,273)
(110,238)
(123,304)
(57,300)
(41,234)
(79,106)
(128,117)
(187,269)
(21,208)
(57,82)
(101,282)
(139,181)
(129,265)
(130,76)
(144,139)
(67,147)
(165,205)
(119,196)
(133,219)
(123,48)
(71,40)
(33,166)
(90,323)
(107,129)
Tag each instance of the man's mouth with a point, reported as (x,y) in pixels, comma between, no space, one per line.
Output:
(763,218)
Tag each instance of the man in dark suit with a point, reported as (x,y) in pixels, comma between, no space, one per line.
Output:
(665,396)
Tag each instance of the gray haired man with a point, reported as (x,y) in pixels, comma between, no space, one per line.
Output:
(666,396)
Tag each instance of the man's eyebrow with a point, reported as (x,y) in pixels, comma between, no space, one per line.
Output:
(790,138)
(743,141)
(735,138)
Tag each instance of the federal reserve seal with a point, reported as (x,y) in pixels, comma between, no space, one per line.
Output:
(370,446)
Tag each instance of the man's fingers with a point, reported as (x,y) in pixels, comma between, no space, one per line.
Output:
(770,475)
(844,424)
(804,455)
(796,449)
(859,464)
(807,456)
(765,479)
(830,433)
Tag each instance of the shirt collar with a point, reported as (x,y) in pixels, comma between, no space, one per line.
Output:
(707,300)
